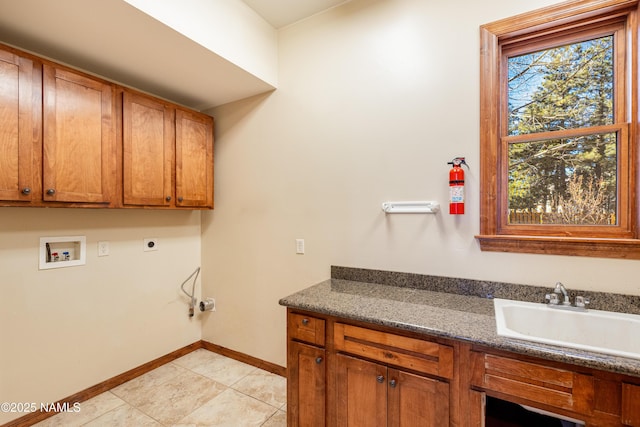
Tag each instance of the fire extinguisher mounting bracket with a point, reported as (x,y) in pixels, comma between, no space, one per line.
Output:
(458,161)
(411,207)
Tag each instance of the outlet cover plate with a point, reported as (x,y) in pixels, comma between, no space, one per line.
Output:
(103,248)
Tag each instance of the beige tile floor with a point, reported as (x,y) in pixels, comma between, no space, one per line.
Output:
(200,389)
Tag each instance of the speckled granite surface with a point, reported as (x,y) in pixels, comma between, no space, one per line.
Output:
(440,308)
(484,289)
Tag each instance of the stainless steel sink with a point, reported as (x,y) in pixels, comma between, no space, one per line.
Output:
(607,332)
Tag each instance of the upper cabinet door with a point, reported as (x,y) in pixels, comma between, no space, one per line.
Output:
(148,151)
(19,128)
(194,159)
(79,156)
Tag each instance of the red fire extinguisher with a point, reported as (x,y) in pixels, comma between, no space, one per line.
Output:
(456,186)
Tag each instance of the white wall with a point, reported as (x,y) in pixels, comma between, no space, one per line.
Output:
(228,28)
(374,98)
(65,330)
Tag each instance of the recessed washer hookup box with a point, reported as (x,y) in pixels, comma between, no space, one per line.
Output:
(66,251)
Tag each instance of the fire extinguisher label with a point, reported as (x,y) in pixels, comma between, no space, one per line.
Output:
(456,194)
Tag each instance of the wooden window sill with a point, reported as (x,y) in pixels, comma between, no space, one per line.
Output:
(574,246)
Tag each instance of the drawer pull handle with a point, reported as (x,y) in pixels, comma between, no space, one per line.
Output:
(318,360)
(305,321)
(393,383)
(380,379)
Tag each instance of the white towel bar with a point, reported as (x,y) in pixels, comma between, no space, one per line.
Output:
(411,207)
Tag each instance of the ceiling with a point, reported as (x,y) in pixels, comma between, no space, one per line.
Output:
(280,13)
(113,39)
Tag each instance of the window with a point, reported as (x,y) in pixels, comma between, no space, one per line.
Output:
(558,129)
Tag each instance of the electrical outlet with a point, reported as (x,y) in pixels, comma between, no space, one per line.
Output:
(150,244)
(300,246)
(103,248)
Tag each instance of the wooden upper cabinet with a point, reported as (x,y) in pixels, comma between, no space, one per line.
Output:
(19,127)
(67,139)
(194,159)
(148,139)
(79,152)
(167,154)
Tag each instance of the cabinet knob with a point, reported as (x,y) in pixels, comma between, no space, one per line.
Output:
(393,383)
(318,360)
(180,199)
(305,321)
(168,198)
(380,379)
(51,192)
(26,190)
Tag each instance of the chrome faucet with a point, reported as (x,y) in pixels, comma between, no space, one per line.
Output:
(581,302)
(560,289)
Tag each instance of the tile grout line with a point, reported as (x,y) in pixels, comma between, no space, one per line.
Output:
(125,400)
(106,412)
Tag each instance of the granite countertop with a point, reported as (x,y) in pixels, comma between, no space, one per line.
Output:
(442,314)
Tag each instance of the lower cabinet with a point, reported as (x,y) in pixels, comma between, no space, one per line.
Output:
(631,404)
(340,374)
(592,397)
(351,374)
(552,387)
(307,380)
(371,394)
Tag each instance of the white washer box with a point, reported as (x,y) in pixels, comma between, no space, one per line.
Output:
(66,251)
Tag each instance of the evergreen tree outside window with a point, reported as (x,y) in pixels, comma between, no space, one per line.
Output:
(559,114)
(562,88)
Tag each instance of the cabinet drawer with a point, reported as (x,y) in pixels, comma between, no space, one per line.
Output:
(537,383)
(410,353)
(306,328)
